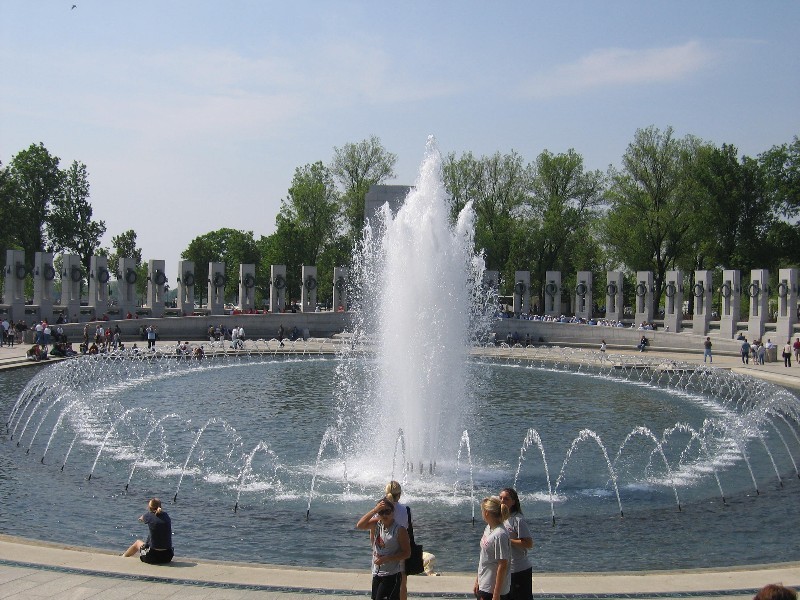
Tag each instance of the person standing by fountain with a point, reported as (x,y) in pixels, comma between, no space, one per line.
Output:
(787,354)
(521,541)
(390,548)
(157,550)
(494,577)
(707,351)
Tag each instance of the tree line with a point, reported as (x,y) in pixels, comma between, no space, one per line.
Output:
(672,203)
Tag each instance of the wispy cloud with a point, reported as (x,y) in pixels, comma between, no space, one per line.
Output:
(188,91)
(621,66)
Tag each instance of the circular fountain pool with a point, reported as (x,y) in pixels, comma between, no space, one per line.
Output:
(700,462)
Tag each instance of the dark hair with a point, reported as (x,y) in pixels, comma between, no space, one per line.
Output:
(775,592)
(516,507)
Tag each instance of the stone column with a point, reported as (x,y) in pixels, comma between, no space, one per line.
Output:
(552,293)
(583,295)
(308,291)
(156,278)
(247,287)
(127,276)
(615,299)
(277,289)
(522,292)
(98,285)
(216,288)
(730,290)
(644,297)
(43,275)
(758,290)
(702,291)
(673,303)
(71,280)
(186,283)
(340,275)
(14,284)
(788,282)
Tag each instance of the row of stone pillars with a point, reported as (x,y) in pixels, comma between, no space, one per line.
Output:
(71,276)
(730,291)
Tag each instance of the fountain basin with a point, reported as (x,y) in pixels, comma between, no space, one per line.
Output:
(262,419)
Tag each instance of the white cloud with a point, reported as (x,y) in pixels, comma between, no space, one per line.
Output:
(620,66)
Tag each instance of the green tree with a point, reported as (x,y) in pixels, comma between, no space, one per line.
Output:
(781,166)
(562,206)
(8,205)
(356,167)
(313,205)
(124,246)
(37,182)
(69,223)
(231,246)
(498,186)
(652,203)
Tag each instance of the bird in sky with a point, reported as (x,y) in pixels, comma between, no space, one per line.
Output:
(74,6)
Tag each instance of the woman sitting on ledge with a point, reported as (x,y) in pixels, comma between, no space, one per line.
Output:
(157,550)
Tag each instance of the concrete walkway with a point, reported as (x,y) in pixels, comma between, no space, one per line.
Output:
(37,570)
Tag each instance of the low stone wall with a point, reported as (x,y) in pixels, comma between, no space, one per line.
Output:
(324,324)
(574,334)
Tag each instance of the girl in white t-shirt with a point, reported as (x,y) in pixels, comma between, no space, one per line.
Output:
(494,576)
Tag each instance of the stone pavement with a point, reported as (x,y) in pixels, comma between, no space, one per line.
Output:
(37,570)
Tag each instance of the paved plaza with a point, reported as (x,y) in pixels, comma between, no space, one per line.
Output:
(37,570)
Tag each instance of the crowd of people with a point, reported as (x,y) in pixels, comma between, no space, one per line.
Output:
(504,568)
(504,572)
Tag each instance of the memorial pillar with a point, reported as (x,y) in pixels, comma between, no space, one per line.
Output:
(43,276)
(340,275)
(673,303)
(216,288)
(71,280)
(186,283)
(522,292)
(615,299)
(98,285)
(308,291)
(644,297)
(277,289)
(730,291)
(583,295)
(702,301)
(758,290)
(788,283)
(14,284)
(247,287)
(552,293)
(127,276)
(156,278)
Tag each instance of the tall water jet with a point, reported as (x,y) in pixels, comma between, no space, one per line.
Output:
(418,280)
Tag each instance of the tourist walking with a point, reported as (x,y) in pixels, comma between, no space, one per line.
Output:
(521,541)
(494,577)
(390,548)
(707,350)
(787,354)
(745,352)
(796,347)
(603,351)
(157,549)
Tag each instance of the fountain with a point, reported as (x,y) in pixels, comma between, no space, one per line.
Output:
(254,445)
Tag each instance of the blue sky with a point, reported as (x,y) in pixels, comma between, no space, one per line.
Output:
(192,116)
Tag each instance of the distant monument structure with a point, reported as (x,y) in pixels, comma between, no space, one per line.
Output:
(380,194)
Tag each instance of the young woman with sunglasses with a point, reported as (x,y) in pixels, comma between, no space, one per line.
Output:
(390,548)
